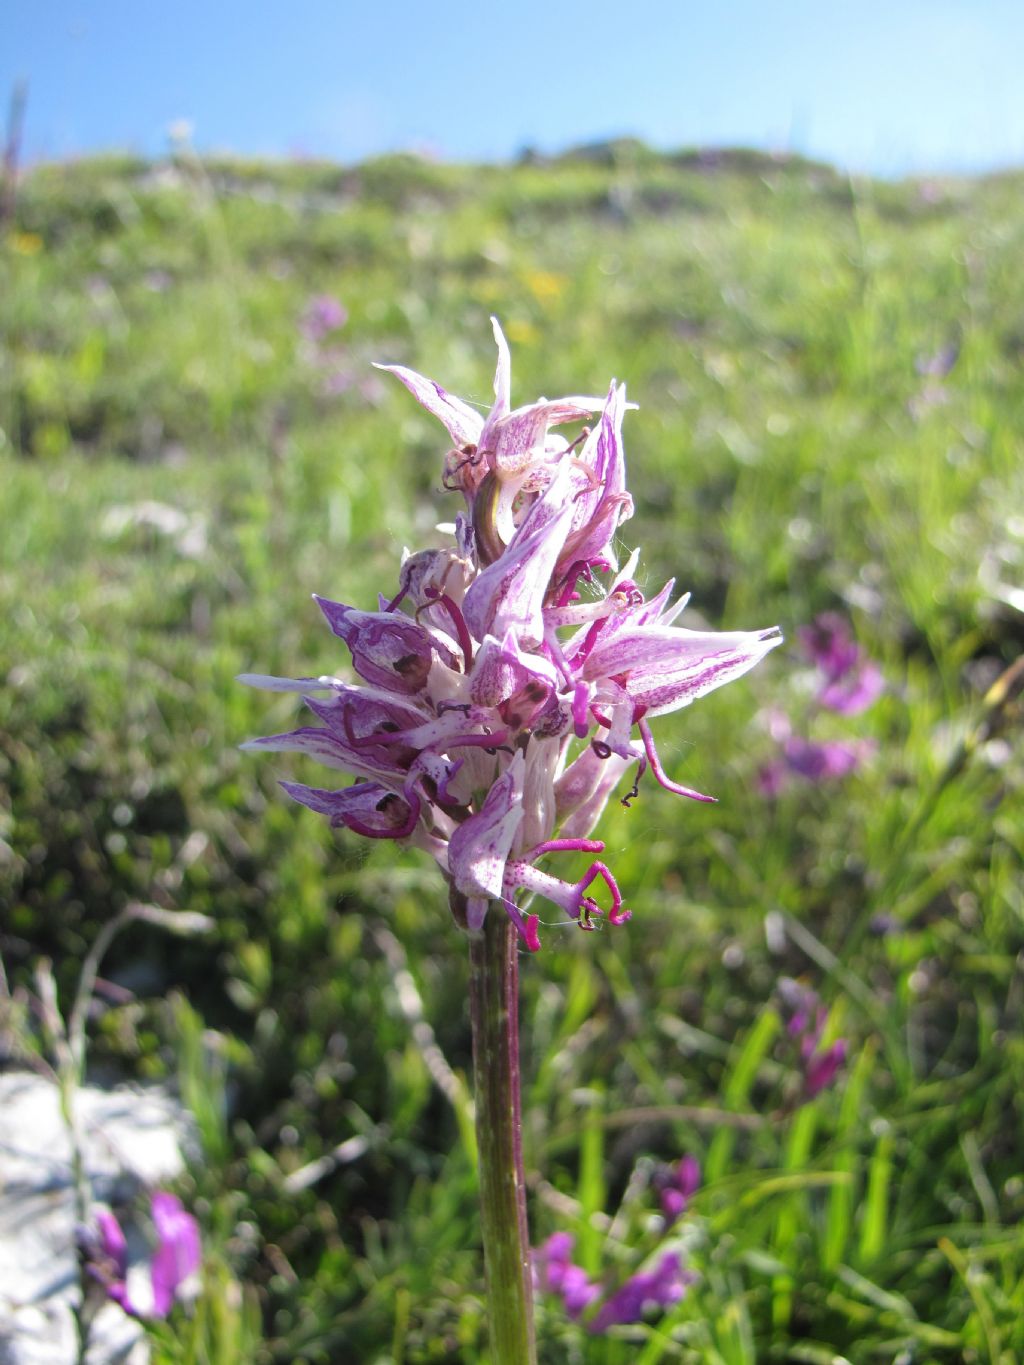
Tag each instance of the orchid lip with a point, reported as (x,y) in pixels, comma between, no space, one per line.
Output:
(566,846)
(458,620)
(661,776)
(570,896)
(582,568)
(579,710)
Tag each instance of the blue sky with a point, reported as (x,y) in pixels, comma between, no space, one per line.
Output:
(903,86)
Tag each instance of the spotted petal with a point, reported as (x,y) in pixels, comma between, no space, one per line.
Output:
(665,668)
(479,848)
(388,649)
(333,752)
(366,807)
(509,594)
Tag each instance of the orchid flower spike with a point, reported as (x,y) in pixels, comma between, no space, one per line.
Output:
(501,693)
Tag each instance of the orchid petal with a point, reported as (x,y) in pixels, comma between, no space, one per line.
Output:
(828,643)
(603,503)
(366,807)
(268,683)
(502,388)
(388,649)
(476,913)
(326,749)
(823,762)
(479,848)
(517,440)
(509,594)
(464,424)
(668,667)
(502,669)
(822,1068)
(588,791)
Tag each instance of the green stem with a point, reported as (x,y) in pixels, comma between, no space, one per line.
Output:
(494,1004)
(81,1195)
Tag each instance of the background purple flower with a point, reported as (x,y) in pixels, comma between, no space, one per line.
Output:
(806,1018)
(322,315)
(823,762)
(555,1273)
(178,1253)
(821,1068)
(849,681)
(676,1186)
(647,1290)
(177,1256)
(845,683)
(829,644)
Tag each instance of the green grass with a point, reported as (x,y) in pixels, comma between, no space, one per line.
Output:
(786,458)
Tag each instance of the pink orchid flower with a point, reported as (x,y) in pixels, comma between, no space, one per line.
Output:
(509,683)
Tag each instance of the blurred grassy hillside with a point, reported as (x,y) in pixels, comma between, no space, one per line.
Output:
(831,418)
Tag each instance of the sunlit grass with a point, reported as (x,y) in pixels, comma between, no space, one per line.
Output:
(789,456)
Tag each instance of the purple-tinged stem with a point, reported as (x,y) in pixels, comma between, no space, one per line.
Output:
(494,1006)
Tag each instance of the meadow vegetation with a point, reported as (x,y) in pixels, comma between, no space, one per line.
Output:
(831,419)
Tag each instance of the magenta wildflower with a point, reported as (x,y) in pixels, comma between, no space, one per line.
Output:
(822,1067)
(845,682)
(815,761)
(323,315)
(555,1273)
(326,352)
(676,1186)
(823,762)
(509,682)
(110,1256)
(178,1252)
(850,683)
(176,1258)
(806,1018)
(645,1292)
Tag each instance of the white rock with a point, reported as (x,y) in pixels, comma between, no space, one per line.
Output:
(131,1137)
